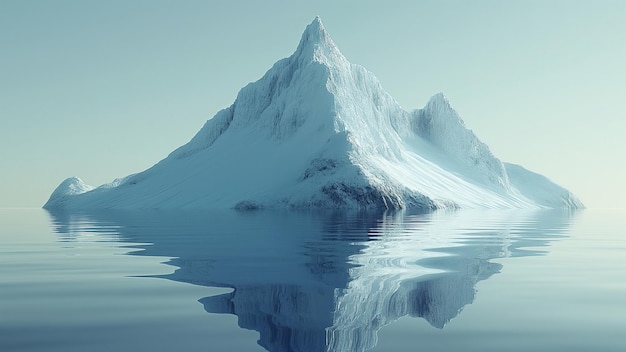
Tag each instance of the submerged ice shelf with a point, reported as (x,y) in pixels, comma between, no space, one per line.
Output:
(317,131)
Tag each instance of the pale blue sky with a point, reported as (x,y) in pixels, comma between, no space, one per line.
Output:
(102,89)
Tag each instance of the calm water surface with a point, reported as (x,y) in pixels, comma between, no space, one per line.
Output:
(285,281)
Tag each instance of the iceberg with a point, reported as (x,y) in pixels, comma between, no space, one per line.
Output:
(317,131)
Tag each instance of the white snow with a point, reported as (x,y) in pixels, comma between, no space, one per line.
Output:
(68,188)
(318,131)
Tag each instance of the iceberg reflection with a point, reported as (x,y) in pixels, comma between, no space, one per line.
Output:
(328,282)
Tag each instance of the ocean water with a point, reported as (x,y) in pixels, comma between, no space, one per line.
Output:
(312,281)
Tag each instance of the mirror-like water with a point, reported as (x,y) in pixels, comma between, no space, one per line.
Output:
(287,281)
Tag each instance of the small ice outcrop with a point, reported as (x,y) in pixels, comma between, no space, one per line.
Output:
(69,187)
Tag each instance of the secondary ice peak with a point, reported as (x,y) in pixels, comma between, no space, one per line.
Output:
(439,102)
(439,98)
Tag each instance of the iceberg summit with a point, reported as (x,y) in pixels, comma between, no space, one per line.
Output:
(317,131)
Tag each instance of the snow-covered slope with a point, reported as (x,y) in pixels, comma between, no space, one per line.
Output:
(318,131)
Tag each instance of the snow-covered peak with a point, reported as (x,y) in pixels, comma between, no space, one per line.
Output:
(316,45)
(315,32)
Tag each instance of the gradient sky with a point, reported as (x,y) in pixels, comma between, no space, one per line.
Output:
(103,89)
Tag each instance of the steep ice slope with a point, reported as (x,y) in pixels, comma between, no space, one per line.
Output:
(318,131)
